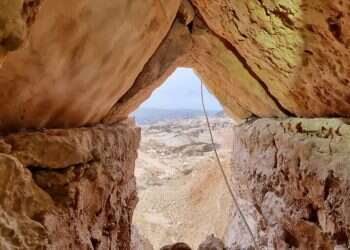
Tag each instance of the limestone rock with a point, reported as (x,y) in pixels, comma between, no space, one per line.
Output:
(186,12)
(267,58)
(227,78)
(260,57)
(85,204)
(174,51)
(15,18)
(197,47)
(296,174)
(21,205)
(298,49)
(82,56)
(57,148)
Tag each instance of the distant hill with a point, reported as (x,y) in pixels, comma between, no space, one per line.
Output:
(220,114)
(150,115)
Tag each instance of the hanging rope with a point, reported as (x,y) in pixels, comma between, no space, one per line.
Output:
(224,174)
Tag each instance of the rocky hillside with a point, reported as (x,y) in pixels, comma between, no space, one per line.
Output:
(181,192)
(144,116)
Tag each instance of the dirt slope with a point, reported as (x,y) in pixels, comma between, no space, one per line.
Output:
(182,195)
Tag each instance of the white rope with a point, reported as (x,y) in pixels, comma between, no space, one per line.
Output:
(224,174)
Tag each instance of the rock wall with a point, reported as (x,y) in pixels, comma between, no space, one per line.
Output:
(218,66)
(297,49)
(68,189)
(266,58)
(85,62)
(16,17)
(173,51)
(295,172)
(80,58)
(88,61)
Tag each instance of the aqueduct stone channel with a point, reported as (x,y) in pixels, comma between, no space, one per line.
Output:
(72,71)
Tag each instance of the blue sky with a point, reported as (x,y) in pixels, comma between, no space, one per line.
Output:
(181,91)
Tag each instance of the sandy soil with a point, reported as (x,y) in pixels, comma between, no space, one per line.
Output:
(181,191)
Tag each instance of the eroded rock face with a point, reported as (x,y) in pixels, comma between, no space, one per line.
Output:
(15,18)
(86,62)
(22,203)
(219,68)
(82,198)
(296,173)
(173,51)
(262,58)
(267,58)
(298,49)
(86,59)
(81,57)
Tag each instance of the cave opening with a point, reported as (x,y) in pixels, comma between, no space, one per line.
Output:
(182,197)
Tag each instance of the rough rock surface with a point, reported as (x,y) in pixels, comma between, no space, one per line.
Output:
(81,57)
(16,17)
(21,205)
(219,68)
(298,49)
(173,51)
(296,174)
(81,198)
(266,58)
(86,59)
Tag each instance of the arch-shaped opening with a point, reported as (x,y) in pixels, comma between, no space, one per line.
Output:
(178,96)
(182,197)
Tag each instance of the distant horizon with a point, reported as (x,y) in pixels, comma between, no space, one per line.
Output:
(167,109)
(181,91)
(151,115)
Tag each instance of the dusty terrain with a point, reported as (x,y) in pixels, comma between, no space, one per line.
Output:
(182,194)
